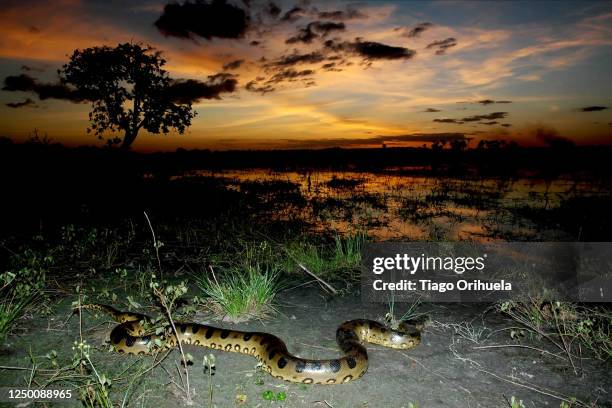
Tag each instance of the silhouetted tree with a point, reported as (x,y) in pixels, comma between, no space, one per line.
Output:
(458,145)
(128,89)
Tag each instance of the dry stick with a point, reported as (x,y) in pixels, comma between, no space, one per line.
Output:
(334,291)
(567,348)
(163,299)
(155,245)
(323,402)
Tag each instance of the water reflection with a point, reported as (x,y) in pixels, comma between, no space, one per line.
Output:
(392,206)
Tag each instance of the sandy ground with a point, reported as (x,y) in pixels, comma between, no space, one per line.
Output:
(449,369)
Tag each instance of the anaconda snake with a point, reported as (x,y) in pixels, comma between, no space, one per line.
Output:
(129,337)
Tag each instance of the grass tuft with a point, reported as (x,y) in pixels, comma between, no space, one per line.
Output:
(12,309)
(240,294)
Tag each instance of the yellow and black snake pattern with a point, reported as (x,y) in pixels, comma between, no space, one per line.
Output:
(130,337)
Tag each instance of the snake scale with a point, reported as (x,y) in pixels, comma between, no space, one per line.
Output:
(129,337)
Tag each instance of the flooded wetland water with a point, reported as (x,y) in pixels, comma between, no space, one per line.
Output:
(393,206)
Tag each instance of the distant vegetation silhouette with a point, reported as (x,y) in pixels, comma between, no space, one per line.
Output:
(45,183)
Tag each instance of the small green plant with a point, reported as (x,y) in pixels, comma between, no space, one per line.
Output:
(347,251)
(410,313)
(96,392)
(270,395)
(239,294)
(340,261)
(515,402)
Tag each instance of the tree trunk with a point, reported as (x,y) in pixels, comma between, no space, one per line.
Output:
(128,139)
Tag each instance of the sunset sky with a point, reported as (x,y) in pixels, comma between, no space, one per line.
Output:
(321,74)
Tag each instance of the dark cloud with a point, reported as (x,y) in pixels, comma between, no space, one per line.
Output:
(26,83)
(506,125)
(432,110)
(27,102)
(442,45)
(203,19)
(187,91)
(426,137)
(289,75)
(491,101)
(494,122)
(475,118)
(417,30)
(294,14)
(315,30)
(489,116)
(377,140)
(254,86)
(371,50)
(255,43)
(331,66)
(340,15)
(447,120)
(272,9)
(296,59)
(233,65)
(594,108)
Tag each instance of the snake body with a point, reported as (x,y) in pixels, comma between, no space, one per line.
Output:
(129,337)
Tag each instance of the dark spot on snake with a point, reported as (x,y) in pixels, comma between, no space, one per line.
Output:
(331,381)
(224,334)
(300,366)
(183,328)
(351,362)
(247,337)
(282,362)
(210,332)
(347,378)
(129,341)
(307,380)
(116,338)
(213,345)
(194,329)
(316,366)
(334,365)
(228,347)
(146,339)
(237,347)
(272,354)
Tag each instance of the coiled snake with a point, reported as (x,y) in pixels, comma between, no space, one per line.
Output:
(129,337)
